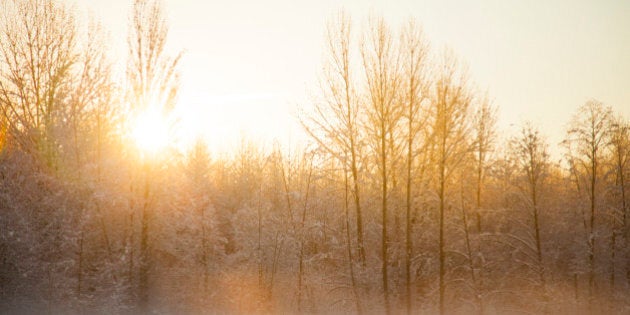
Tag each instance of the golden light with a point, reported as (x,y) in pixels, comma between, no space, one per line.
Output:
(150,132)
(223,121)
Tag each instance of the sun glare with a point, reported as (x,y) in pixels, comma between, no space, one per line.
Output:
(150,132)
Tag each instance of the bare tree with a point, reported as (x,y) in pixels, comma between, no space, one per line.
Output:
(530,152)
(154,82)
(415,89)
(334,124)
(588,138)
(90,116)
(450,126)
(382,73)
(38,51)
(483,129)
(620,146)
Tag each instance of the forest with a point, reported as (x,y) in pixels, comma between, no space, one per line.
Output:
(405,200)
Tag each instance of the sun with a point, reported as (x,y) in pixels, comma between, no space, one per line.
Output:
(150,132)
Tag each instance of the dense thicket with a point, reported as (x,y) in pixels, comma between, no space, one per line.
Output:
(405,201)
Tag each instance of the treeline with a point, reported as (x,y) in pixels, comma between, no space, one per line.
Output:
(406,201)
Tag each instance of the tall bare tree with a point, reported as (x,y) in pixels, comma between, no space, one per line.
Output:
(530,153)
(381,65)
(334,124)
(154,82)
(450,127)
(588,138)
(414,89)
(620,146)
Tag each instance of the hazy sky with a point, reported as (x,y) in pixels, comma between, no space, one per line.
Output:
(248,64)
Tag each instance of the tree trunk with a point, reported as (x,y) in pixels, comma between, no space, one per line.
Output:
(353,281)
(384,245)
(441,237)
(143,277)
(408,231)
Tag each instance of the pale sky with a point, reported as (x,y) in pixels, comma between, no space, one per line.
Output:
(249,64)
